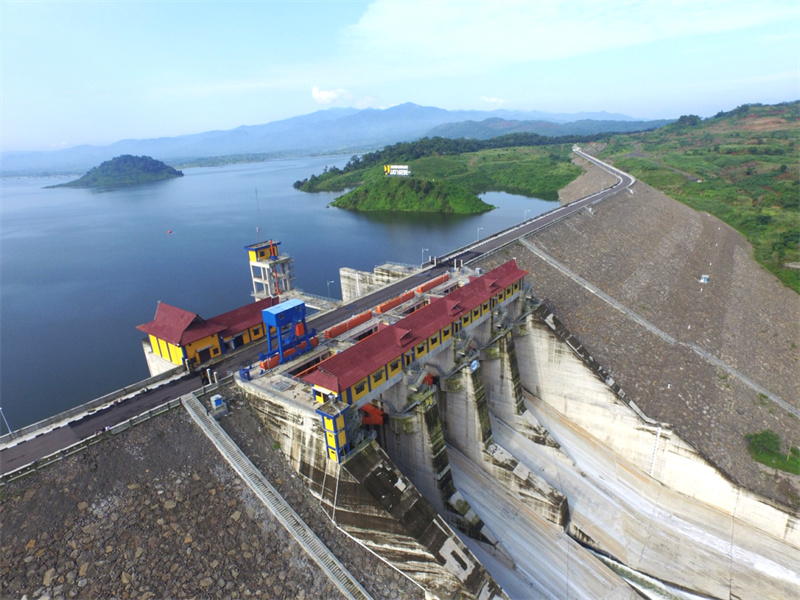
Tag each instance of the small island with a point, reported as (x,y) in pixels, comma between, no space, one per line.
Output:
(412,195)
(122,171)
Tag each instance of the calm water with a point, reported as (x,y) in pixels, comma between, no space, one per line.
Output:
(80,269)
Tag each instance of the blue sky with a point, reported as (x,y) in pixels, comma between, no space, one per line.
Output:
(97,72)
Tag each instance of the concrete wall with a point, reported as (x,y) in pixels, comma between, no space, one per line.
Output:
(358,283)
(369,498)
(549,370)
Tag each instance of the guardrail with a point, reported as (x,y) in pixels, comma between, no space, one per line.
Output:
(87,442)
(86,407)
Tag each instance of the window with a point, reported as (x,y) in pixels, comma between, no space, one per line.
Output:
(394,366)
(377,377)
(360,387)
(257,331)
(421,348)
(476,313)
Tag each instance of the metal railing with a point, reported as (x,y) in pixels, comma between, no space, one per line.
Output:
(254,479)
(88,407)
(85,443)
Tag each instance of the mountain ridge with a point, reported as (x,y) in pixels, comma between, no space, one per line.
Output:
(334,130)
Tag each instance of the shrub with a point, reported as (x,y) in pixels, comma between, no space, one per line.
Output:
(765,441)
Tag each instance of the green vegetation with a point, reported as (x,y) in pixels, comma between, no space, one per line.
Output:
(446,172)
(409,194)
(740,166)
(494,127)
(765,447)
(124,170)
(231,159)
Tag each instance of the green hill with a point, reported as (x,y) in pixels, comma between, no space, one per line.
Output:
(524,164)
(740,166)
(124,170)
(489,128)
(409,194)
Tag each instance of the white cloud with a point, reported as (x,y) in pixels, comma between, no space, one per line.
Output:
(464,38)
(495,101)
(329,96)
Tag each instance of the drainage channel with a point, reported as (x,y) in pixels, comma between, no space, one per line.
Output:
(251,476)
(649,587)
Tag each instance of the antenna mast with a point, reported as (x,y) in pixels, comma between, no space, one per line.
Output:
(258,221)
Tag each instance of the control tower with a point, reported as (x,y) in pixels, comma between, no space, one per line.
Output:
(271,271)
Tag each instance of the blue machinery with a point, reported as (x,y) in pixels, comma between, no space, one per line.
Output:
(287,334)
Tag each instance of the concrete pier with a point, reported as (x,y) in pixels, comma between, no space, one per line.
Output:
(372,500)
(359,283)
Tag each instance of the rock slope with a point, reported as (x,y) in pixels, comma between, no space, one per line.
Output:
(155,513)
(649,253)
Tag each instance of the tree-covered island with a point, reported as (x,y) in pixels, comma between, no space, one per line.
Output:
(124,170)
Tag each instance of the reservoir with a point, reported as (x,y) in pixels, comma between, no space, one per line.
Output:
(81,268)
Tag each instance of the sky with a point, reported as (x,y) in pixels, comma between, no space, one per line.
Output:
(75,73)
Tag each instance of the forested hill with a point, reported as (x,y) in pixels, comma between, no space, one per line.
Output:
(335,179)
(124,170)
(494,127)
(408,194)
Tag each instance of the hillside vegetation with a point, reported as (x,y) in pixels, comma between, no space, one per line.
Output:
(409,194)
(523,164)
(489,128)
(740,166)
(124,170)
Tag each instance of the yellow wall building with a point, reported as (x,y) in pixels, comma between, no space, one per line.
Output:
(184,338)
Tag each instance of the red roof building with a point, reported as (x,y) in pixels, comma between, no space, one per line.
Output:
(180,336)
(351,374)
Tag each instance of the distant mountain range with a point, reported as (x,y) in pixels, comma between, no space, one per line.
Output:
(489,128)
(336,130)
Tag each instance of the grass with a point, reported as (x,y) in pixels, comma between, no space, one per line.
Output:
(528,171)
(780,461)
(741,167)
(765,447)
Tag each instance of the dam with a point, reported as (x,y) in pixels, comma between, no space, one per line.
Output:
(466,436)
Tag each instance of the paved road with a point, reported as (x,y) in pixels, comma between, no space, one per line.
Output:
(24,453)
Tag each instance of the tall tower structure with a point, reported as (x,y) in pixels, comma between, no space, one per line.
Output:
(272,272)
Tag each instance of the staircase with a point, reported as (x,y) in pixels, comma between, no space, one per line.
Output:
(253,478)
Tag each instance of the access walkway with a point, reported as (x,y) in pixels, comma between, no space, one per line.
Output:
(253,478)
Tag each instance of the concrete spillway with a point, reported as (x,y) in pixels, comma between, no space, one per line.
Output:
(370,499)
(511,434)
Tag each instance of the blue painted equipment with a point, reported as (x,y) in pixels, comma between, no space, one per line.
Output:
(287,334)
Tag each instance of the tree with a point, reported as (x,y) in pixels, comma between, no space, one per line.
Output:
(765,441)
(689,120)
